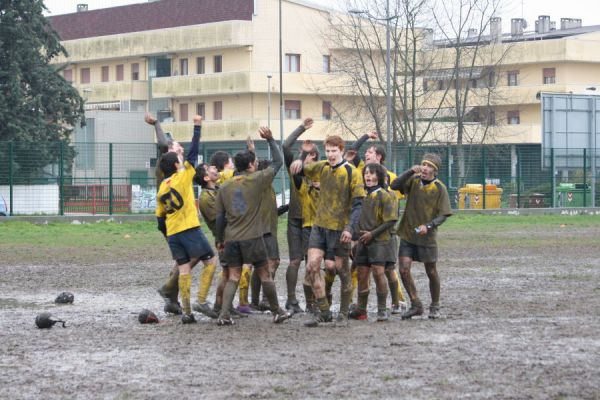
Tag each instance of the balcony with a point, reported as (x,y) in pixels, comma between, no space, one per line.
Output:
(113,91)
(217,35)
(475,133)
(228,130)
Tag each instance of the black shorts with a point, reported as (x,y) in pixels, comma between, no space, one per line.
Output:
(375,253)
(294,238)
(272,246)
(328,240)
(251,251)
(190,244)
(424,254)
(305,238)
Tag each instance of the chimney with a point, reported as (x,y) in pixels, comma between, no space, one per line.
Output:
(82,7)
(496,29)
(517,25)
(542,25)
(570,23)
(428,38)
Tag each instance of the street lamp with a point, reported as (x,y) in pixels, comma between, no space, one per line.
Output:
(269,76)
(86,92)
(281,110)
(388,94)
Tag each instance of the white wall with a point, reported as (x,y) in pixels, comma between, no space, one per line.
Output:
(32,199)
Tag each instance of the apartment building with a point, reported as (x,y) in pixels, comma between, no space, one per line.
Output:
(216,58)
(511,70)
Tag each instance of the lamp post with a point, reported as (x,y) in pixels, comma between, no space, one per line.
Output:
(86,92)
(269,76)
(388,89)
(281,110)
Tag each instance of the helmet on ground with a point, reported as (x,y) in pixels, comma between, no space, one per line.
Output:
(45,321)
(65,298)
(147,317)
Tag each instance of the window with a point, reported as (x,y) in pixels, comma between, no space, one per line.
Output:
(326,110)
(218,110)
(183,112)
(218,60)
(68,75)
(85,75)
(200,65)
(473,83)
(425,85)
(135,72)
(120,73)
(512,78)
(183,66)
(440,85)
(292,63)
(200,109)
(549,75)
(326,64)
(105,73)
(513,118)
(292,109)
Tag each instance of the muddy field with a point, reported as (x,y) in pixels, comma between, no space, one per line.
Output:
(521,307)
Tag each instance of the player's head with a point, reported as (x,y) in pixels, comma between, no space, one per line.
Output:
(430,166)
(334,149)
(373,175)
(169,163)
(206,173)
(245,161)
(221,160)
(310,153)
(263,164)
(375,154)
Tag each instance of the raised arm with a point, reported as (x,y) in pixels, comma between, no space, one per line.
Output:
(400,182)
(276,155)
(355,147)
(161,138)
(288,155)
(192,156)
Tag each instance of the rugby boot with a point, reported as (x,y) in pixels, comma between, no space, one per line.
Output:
(225,321)
(317,318)
(171,306)
(383,315)
(398,308)
(281,315)
(434,312)
(236,314)
(204,308)
(264,305)
(341,321)
(254,307)
(416,308)
(244,309)
(293,306)
(188,319)
(358,314)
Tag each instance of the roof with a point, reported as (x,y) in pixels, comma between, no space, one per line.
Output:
(149,16)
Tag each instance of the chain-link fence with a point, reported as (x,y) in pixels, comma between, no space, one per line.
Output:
(57,178)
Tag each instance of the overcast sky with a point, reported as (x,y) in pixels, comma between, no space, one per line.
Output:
(587,10)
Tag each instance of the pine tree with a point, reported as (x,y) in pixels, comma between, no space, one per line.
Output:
(38,107)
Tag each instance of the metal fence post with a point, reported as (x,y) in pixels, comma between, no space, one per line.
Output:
(584,177)
(552,178)
(483,172)
(10,175)
(518,177)
(61,183)
(110,178)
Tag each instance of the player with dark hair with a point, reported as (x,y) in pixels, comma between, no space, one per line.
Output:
(427,207)
(240,228)
(338,209)
(222,160)
(178,218)
(375,248)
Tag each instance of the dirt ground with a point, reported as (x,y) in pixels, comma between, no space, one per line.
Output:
(521,321)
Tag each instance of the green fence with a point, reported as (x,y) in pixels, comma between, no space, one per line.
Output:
(60,178)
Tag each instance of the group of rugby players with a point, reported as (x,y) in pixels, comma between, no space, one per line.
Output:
(342,214)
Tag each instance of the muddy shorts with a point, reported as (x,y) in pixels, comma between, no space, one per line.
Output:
(189,244)
(294,237)
(328,240)
(272,246)
(424,254)
(251,251)
(375,253)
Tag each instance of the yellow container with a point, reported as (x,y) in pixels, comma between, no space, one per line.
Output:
(471,196)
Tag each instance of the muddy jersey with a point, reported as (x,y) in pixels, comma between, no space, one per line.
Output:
(339,185)
(240,198)
(423,204)
(207,203)
(309,198)
(269,210)
(378,207)
(295,210)
(224,176)
(175,200)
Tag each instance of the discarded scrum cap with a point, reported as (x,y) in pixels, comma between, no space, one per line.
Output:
(65,298)
(147,317)
(45,321)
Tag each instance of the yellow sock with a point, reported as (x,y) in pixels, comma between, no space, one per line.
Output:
(329,277)
(400,291)
(354,281)
(206,278)
(185,285)
(244,285)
